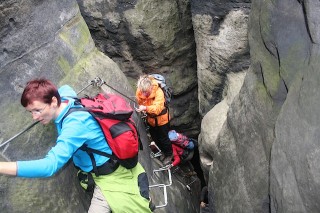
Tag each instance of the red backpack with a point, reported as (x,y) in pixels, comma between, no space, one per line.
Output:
(113,113)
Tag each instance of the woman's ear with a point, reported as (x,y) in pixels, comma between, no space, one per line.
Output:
(54,101)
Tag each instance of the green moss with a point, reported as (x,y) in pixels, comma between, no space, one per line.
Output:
(74,73)
(84,67)
(77,38)
(271,76)
(76,35)
(64,64)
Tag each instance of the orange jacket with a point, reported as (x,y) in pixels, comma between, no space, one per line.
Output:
(155,105)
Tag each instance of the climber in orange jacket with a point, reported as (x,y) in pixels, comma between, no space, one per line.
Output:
(151,100)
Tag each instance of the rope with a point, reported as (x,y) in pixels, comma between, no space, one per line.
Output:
(119,92)
(18,134)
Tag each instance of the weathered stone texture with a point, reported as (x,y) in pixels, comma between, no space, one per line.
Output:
(262,156)
(146,36)
(222,46)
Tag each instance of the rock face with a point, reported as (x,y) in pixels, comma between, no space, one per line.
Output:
(36,42)
(220,29)
(290,36)
(51,39)
(148,36)
(260,154)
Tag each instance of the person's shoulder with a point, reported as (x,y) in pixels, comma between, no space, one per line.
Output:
(66,90)
(157,90)
(155,83)
(176,147)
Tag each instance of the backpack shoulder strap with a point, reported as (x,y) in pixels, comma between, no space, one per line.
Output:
(74,109)
(89,150)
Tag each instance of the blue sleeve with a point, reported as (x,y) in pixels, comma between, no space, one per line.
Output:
(75,132)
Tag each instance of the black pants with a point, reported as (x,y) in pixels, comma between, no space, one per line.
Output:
(159,135)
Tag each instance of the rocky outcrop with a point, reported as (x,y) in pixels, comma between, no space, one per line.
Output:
(213,123)
(36,42)
(261,153)
(220,29)
(289,37)
(148,36)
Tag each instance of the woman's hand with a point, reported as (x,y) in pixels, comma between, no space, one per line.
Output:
(141,108)
(202,204)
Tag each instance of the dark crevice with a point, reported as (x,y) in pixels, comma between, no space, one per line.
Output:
(216,22)
(285,85)
(278,57)
(195,161)
(306,20)
(263,81)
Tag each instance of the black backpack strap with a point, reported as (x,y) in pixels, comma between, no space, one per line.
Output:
(107,168)
(94,164)
(74,109)
(164,111)
(87,149)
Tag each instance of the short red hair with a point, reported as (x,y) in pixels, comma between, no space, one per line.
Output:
(39,90)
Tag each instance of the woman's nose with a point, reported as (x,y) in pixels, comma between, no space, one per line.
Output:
(35,116)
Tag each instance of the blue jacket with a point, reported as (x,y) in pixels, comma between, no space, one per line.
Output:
(78,128)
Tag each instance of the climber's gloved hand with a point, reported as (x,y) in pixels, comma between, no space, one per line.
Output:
(169,166)
(141,108)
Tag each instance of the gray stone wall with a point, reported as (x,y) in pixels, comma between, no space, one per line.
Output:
(147,36)
(260,154)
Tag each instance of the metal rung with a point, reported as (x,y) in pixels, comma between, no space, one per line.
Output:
(169,174)
(164,194)
(155,155)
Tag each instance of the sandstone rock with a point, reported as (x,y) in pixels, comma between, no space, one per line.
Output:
(151,36)
(222,46)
